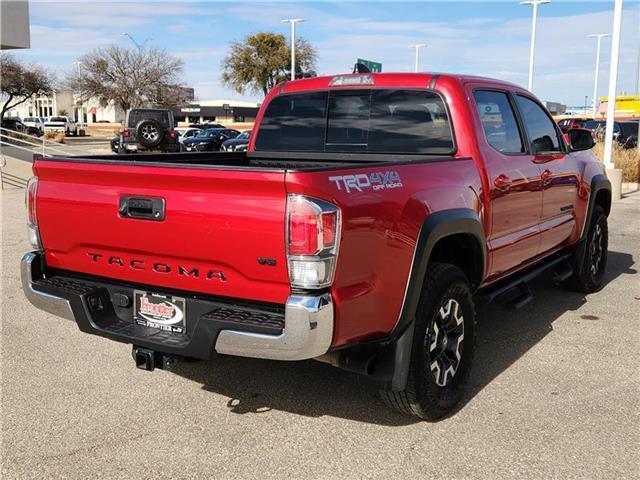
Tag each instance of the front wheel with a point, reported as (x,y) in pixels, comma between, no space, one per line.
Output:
(443,346)
(590,269)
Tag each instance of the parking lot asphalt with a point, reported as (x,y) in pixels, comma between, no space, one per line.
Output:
(555,393)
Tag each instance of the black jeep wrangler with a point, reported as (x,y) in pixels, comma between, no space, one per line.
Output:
(148,129)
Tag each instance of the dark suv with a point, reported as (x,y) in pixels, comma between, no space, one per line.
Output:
(149,129)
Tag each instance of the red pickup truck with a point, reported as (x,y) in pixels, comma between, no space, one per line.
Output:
(368,217)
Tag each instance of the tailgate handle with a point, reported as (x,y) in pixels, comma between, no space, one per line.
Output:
(143,208)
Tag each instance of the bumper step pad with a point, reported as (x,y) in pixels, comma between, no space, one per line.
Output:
(268,323)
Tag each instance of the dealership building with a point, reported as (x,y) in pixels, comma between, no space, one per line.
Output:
(64,102)
(223,111)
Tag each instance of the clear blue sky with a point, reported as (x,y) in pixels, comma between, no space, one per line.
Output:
(483,38)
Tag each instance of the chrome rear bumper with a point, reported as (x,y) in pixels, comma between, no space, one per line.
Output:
(307,331)
(30,267)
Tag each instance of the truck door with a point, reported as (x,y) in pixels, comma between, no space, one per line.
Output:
(514,182)
(558,174)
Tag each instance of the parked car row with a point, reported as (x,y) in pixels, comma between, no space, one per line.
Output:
(38,125)
(16,125)
(625,132)
(209,140)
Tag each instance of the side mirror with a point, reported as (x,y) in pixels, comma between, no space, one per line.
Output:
(580,139)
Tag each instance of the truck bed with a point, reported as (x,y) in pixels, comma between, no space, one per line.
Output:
(275,161)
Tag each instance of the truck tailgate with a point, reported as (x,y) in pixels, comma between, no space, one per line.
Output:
(223,231)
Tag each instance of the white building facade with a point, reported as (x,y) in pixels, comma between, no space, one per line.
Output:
(64,102)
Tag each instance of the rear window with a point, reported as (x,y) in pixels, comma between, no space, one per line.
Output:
(374,121)
(58,119)
(136,116)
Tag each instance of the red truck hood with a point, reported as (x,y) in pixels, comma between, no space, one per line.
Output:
(219,227)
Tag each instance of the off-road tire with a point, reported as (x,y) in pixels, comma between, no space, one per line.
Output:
(590,269)
(150,133)
(423,397)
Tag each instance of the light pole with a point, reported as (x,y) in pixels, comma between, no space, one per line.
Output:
(293,22)
(534,4)
(586,97)
(598,36)
(614,175)
(78,65)
(417,47)
(139,46)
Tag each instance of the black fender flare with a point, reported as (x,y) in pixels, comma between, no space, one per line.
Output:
(599,183)
(395,357)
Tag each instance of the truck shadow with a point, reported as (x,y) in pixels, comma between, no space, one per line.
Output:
(314,389)
(506,335)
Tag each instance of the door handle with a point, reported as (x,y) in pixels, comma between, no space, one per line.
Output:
(546,177)
(142,208)
(502,182)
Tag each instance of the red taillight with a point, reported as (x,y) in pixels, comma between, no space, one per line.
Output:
(126,133)
(32,217)
(32,190)
(329,227)
(303,226)
(172,134)
(313,235)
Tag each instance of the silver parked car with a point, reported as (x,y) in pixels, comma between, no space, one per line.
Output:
(37,123)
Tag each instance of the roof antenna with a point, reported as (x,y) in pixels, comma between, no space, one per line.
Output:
(361,68)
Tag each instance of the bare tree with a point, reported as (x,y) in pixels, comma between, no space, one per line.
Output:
(19,82)
(130,78)
(262,60)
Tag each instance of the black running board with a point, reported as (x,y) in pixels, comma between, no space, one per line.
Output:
(520,279)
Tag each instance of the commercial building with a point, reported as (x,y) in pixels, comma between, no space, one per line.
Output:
(627,106)
(556,108)
(217,111)
(65,102)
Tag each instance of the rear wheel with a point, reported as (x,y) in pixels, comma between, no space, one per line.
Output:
(443,346)
(590,269)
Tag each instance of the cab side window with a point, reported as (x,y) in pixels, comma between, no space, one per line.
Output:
(498,121)
(540,128)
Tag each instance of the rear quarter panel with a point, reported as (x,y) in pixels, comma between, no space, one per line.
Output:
(379,234)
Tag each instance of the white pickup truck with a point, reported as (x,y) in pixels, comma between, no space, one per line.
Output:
(61,124)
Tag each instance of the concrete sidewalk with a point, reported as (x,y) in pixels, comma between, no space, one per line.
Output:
(555,393)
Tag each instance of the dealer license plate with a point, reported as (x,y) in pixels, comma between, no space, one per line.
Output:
(164,312)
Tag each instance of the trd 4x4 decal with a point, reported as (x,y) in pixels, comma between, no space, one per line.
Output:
(364,181)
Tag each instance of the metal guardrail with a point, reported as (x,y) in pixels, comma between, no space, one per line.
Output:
(34,144)
(11,180)
(16,142)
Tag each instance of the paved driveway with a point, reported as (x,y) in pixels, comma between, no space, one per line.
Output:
(555,394)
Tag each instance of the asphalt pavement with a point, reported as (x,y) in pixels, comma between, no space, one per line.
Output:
(555,393)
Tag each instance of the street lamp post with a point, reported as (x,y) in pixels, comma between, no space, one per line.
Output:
(417,47)
(615,176)
(139,46)
(586,97)
(293,22)
(599,37)
(78,65)
(534,20)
